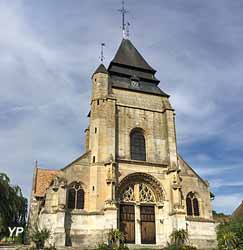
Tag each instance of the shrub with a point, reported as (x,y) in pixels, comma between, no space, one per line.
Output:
(39,236)
(230,235)
(123,247)
(179,237)
(102,246)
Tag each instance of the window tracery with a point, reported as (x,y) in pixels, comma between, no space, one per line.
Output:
(75,196)
(145,193)
(138,192)
(128,194)
(192,205)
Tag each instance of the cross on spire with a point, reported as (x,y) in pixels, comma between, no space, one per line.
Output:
(102,57)
(124,12)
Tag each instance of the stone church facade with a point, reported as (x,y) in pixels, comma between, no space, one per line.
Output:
(130,176)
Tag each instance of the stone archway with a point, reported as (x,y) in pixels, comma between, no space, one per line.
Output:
(149,180)
(138,194)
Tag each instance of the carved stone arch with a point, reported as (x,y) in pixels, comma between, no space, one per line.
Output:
(71,183)
(139,178)
(138,129)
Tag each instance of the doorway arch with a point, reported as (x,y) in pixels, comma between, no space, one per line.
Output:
(138,195)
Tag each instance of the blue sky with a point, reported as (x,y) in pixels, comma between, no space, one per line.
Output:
(49,50)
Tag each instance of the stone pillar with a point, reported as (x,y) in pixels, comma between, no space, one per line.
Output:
(171,141)
(60,233)
(159,225)
(137,225)
(110,202)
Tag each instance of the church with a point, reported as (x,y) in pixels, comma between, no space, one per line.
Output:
(131,176)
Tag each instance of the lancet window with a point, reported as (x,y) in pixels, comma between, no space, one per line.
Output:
(137,145)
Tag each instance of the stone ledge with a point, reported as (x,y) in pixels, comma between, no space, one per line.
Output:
(199,219)
(154,164)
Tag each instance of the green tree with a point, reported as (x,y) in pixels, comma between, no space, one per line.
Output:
(13,206)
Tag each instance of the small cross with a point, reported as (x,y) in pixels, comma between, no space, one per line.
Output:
(102,58)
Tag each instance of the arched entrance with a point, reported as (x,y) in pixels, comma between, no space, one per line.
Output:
(139,194)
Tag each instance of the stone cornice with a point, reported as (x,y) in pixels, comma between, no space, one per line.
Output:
(144,163)
(199,219)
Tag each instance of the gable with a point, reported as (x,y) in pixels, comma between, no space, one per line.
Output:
(186,170)
(82,160)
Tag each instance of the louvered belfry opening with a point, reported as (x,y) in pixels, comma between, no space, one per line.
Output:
(137,145)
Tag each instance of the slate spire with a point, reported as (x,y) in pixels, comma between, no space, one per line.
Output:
(128,55)
(101,69)
(129,70)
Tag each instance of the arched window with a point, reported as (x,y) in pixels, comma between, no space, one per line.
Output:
(137,145)
(192,205)
(75,197)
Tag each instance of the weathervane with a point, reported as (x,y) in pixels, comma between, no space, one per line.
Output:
(102,58)
(125,26)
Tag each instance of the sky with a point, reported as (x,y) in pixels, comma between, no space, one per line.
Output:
(49,50)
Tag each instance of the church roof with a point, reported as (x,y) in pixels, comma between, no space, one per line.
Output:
(43,179)
(101,69)
(238,213)
(128,55)
(127,65)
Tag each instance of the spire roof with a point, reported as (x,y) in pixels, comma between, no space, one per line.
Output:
(101,69)
(128,67)
(128,55)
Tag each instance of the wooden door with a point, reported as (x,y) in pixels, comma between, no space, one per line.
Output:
(147,216)
(127,222)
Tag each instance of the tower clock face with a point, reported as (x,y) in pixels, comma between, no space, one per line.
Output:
(134,84)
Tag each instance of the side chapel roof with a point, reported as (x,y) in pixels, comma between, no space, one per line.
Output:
(43,179)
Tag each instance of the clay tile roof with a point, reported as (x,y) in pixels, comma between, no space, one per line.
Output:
(43,180)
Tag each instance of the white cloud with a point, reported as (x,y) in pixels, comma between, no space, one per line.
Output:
(227,203)
(219,183)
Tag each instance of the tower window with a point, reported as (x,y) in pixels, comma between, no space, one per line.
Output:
(93,159)
(192,205)
(95,130)
(137,145)
(98,102)
(75,197)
